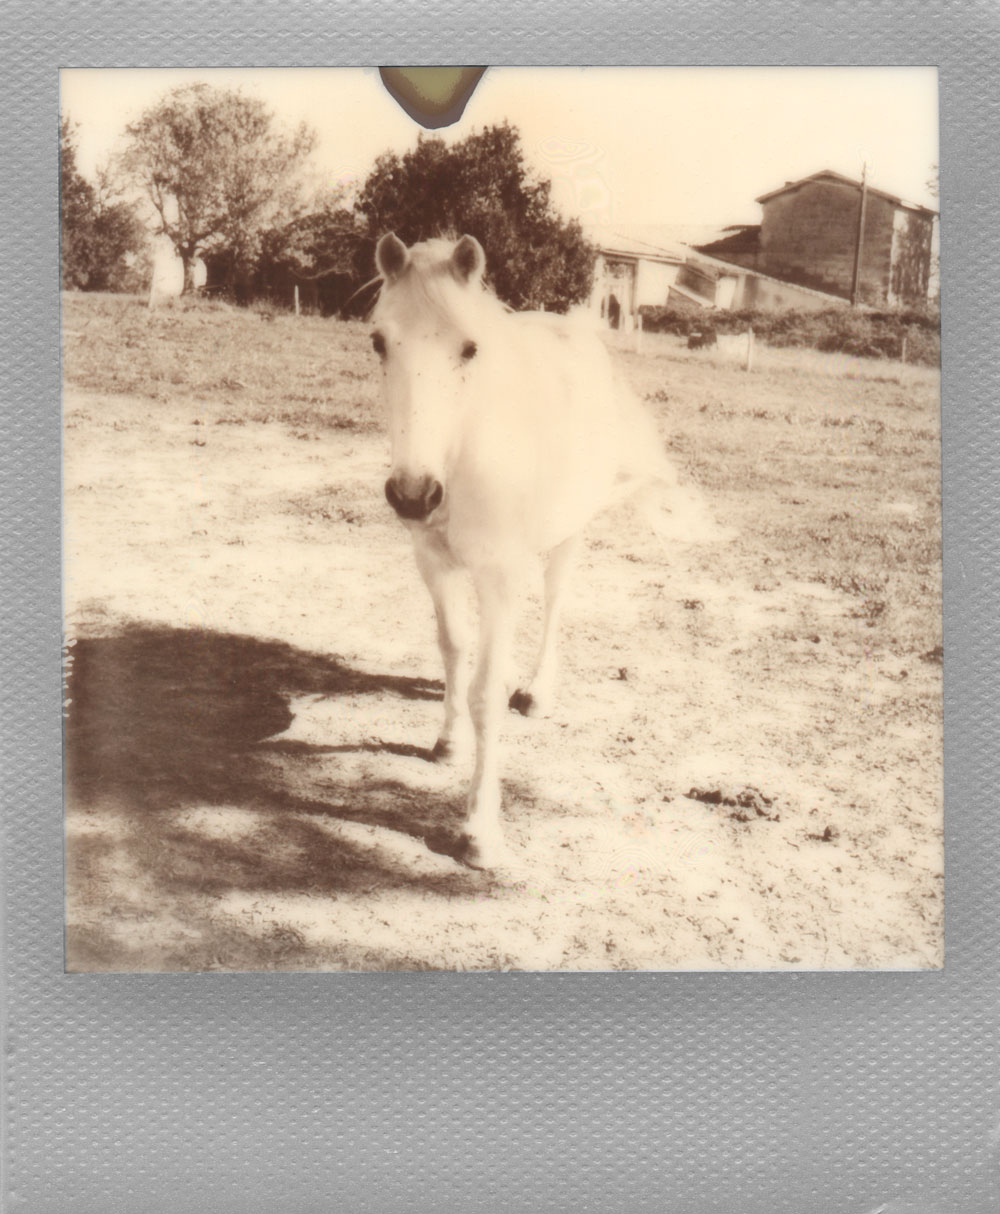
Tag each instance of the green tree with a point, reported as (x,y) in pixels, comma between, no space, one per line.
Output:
(216,170)
(76,205)
(323,240)
(482,186)
(105,245)
(316,250)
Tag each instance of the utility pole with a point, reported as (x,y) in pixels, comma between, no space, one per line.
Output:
(859,244)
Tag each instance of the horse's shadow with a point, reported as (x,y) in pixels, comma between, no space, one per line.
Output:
(162,719)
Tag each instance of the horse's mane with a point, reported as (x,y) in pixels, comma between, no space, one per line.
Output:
(427,287)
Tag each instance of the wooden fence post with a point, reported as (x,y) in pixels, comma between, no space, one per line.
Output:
(750,346)
(296,299)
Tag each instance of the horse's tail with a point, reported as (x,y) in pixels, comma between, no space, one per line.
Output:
(673,509)
(677,511)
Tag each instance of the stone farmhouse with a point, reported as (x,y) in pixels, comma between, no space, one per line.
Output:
(808,235)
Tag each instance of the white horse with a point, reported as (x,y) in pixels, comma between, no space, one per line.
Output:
(509,434)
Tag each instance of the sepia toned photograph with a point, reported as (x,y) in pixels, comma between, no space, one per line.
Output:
(502,519)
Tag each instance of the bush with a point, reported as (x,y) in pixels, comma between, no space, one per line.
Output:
(863,334)
(482,186)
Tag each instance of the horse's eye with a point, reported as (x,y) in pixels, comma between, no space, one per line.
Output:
(378,344)
(469,350)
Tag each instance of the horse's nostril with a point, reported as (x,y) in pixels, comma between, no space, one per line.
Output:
(392,495)
(414,503)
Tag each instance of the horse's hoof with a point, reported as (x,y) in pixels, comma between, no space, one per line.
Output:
(487,854)
(443,752)
(528,705)
(449,753)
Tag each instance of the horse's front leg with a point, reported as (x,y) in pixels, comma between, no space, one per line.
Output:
(485,846)
(447,588)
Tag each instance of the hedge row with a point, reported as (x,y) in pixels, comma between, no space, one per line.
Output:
(864,334)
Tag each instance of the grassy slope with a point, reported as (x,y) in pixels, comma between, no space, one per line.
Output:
(828,455)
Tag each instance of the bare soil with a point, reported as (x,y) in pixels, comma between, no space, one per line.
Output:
(744,769)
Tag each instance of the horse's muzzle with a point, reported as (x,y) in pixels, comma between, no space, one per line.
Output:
(414,499)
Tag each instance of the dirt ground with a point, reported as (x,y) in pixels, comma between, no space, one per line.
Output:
(744,769)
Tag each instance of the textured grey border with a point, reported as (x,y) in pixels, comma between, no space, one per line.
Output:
(688,1093)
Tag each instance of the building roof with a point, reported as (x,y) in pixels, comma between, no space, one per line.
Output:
(830,175)
(618,244)
(668,235)
(739,238)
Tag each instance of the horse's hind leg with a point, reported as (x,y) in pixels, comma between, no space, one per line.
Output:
(447,589)
(538,698)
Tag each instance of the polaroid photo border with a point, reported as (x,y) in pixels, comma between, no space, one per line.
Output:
(745,1092)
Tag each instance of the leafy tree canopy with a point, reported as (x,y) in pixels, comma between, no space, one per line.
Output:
(215,169)
(481,186)
(322,241)
(104,242)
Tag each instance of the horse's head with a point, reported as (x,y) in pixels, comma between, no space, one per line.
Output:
(427,325)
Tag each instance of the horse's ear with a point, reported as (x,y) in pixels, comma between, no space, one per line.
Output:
(468,261)
(391,256)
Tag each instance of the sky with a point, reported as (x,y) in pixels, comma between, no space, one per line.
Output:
(684,146)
